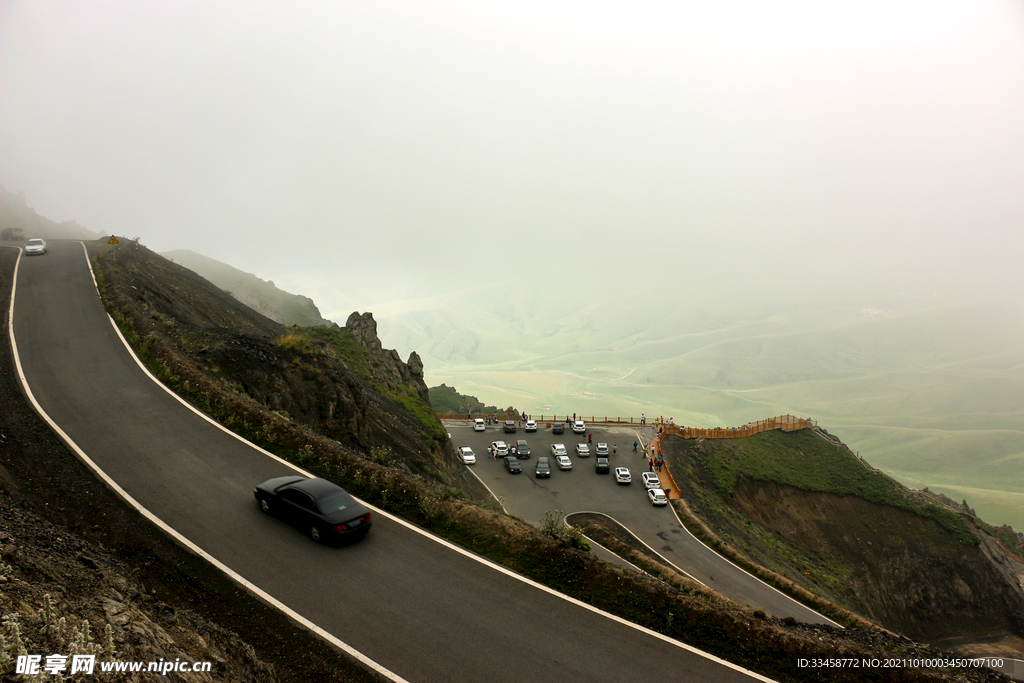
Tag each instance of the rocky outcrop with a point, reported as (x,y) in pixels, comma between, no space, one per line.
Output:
(386,365)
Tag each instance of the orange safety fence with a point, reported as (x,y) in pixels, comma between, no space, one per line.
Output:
(502,416)
(787,423)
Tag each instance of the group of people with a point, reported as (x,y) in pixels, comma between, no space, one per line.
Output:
(493,418)
(656,459)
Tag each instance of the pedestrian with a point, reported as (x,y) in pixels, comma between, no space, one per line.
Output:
(513,451)
(590,438)
(615,449)
(634,446)
(643,420)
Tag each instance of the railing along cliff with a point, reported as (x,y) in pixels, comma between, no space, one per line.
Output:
(787,423)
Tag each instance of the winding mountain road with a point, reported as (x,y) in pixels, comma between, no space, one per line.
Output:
(414,607)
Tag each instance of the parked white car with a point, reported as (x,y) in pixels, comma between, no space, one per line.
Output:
(467,455)
(564,463)
(479,425)
(531,426)
(657,497)
(651,480)
(579,427)
(622,475)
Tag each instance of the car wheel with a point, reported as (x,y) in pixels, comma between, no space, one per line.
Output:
(265,506)
(314,533)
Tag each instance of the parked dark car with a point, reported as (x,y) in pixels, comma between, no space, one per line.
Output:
(522,449)
(557,428)
(601,466)
(319,508)
(512,465)
(510,426)
(543,468)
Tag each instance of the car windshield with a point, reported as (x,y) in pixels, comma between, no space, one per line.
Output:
(336,502)
(35,242)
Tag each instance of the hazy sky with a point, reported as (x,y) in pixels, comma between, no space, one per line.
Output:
(789,144)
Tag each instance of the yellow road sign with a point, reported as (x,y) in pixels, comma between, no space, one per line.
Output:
(113,240)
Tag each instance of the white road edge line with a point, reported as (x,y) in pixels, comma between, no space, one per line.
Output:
(663,558)
(756,578)
(258,591)
(348,649)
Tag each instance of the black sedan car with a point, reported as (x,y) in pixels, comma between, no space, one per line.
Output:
(319,508)
(512,465)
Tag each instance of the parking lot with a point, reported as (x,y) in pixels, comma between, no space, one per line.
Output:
(583,490)
(577,490)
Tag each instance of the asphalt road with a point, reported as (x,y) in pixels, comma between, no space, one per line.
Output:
(583,490)
(424,611)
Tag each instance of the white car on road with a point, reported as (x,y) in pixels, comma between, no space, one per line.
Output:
(564,463)
(579,427)
(558,449)
(531,426)
(35,246)
(467,455)
(501,447)
(651,480)
(622,475)
(479,425)
(582,450)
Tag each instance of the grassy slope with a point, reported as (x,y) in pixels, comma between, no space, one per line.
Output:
(785,539)
(809,463)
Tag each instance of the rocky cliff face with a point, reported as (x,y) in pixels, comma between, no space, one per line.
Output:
(387,366)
